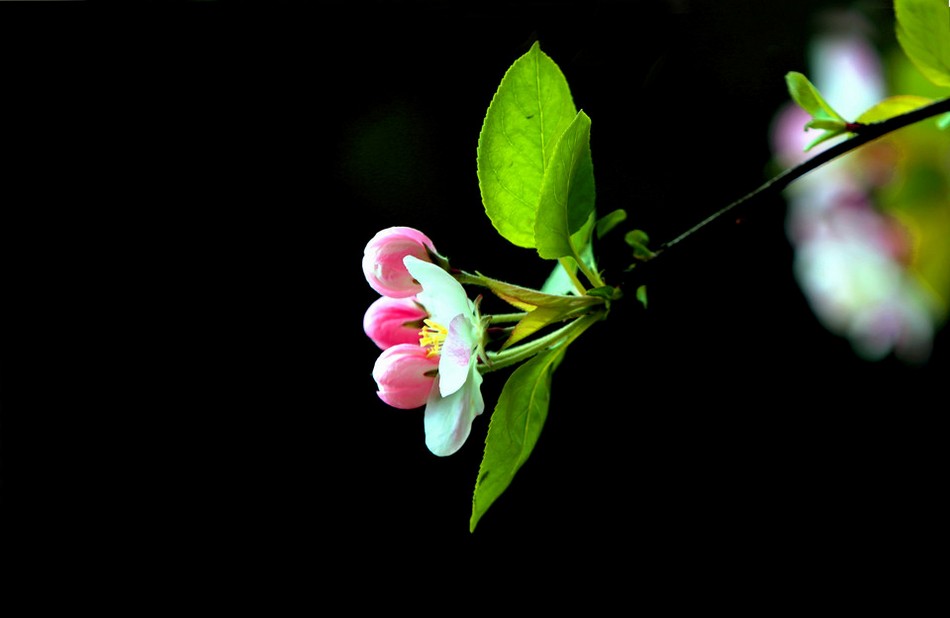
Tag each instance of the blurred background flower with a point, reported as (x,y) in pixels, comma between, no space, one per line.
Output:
(867,227)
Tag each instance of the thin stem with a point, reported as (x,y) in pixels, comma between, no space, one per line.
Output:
(519,353)
(502,318)
(868,133)
(591,275)
(578,286)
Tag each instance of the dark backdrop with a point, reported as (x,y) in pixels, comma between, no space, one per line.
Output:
(198,184)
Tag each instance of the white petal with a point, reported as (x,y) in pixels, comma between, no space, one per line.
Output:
(441,295)
(457,355)
(448,420)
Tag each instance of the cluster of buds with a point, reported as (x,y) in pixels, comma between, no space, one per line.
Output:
(433,337)
(430,335)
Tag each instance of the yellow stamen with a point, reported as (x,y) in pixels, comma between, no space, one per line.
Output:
(432,336)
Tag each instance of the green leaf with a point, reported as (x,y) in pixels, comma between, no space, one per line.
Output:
(636,237)
(559,281)
(891,107)
(539,318)
(543,308)
(827,135)
(638,240)
(823,115)
(528,299)
(827,125)
(642,295)
(943,121)
(527,115)
(923,31)
(610,221)
(808,97)
(567,192)
(515,427)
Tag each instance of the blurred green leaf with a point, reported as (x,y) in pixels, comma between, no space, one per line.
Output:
(824,117)
(636,237)
(923,31)
(642,295)
(527,115)
(893,106)
(827,135)
(610,221)
(826,125)
(638,240)
(808,97)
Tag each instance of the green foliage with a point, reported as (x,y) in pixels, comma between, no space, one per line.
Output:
(891,107)
(923,31)
(542,309)
(528,299)
(515,426)
(536,180)
(824,116)
(642,295)
(567,192)
(528,114)
(639,241)
(607,292)
(610,221)
(807,96)
(560,280)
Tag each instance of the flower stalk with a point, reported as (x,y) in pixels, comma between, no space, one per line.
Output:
(522,352)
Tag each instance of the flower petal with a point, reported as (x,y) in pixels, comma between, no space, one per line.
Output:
(448,420)
(441,295)
(457,355)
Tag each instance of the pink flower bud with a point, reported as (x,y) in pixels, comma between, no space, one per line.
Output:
(383,265)
(390,321)
(405,375)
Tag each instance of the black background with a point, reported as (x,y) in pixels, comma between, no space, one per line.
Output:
(191,187)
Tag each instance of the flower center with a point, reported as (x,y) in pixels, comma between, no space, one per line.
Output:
(432,336)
